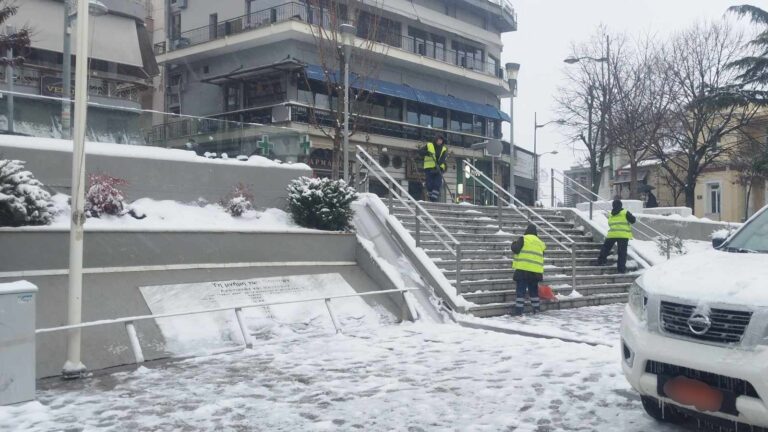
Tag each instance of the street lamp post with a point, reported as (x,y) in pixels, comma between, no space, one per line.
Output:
(9,73)
(347,39)
(536,127)
(512,71)
(74,368)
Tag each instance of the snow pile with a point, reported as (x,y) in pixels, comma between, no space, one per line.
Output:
(171,216)
(321,203)
(712,276)
(137,151)
(23,199)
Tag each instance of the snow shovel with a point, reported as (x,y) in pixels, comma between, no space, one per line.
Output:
(546,293)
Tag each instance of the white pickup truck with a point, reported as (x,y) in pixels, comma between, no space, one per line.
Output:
(695,334)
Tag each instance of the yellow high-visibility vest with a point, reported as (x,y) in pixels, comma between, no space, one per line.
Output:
(430,160)
(531,256)
(619,227)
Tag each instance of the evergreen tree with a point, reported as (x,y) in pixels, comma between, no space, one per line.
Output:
(17,41)
(754,67)
(23,199)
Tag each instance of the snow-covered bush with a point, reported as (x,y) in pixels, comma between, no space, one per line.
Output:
(104,195)
(23,199)
(239,201)
(321,203)
(672,246)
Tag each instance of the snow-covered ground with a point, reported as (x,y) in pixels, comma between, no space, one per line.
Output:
(415,377)
(169,215)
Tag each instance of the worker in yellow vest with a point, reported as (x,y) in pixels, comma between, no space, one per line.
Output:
(435,154)
(619,232)
(528,263)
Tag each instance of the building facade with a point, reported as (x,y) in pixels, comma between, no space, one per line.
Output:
(120,71)
(418,67)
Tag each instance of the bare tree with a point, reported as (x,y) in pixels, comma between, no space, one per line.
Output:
(584,101)
(750,161)
(328,116)
(640,106)
(707,104)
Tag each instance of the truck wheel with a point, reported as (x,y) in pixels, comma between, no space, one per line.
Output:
(661,412)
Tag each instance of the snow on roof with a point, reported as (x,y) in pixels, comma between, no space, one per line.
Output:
(644,164)
(134,151)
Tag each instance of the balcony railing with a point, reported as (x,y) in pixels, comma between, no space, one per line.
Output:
(317,16)
(29,77)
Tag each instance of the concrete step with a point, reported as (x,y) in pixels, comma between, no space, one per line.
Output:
(479,219)
(444,206)
(491,237)
(492,212)
(555,281)
(497,309)
(509,296)
(504,253)
(505,245)
(492,228)
(504,263)
(507,273)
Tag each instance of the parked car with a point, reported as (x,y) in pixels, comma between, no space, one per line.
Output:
(695,333)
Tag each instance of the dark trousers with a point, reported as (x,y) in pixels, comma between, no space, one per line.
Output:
(606,250)
(532,287)
(434,184)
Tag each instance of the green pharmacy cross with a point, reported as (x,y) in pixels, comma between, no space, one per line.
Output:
(305,144)
(264,145)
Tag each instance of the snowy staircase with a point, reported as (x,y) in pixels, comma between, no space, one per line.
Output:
(486,265)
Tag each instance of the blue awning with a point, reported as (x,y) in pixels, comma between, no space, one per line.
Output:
(403,91)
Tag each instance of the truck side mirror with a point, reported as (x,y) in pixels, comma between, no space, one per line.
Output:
(717,242)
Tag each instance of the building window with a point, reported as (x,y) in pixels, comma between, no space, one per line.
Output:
(268,89)
(213,25)
(176,26)
(232,100)
(379,29)
(467,55)
(461,122)
(426,44)
(714,195)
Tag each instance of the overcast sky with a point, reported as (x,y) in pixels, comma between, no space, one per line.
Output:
(546,30)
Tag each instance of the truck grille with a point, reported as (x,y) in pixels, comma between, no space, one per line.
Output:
(728,326)
(738,387)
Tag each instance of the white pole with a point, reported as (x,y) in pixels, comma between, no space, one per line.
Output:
(74,367)
(347,54)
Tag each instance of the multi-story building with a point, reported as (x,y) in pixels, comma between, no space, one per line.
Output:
(436,69)
(121,64)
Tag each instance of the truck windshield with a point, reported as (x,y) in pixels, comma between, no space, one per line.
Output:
(752,238)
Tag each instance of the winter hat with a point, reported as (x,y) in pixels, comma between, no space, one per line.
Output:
(531,230)
(617,205)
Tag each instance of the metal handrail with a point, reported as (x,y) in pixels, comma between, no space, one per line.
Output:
(577,184)
(517,203)
(667,239)
(136,346)
(367,161)
(571,249)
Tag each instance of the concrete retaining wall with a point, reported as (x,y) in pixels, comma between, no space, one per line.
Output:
(110,286)
(169,174)
(686,229)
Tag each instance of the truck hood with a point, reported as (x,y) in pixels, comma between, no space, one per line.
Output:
(712,277)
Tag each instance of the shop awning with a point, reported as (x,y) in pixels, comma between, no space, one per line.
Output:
(403,91)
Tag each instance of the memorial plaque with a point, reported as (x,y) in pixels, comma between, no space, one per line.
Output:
(201,330)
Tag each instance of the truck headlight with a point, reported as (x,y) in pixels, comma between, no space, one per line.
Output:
(638,300)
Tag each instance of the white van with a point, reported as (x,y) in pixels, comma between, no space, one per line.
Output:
(695,334)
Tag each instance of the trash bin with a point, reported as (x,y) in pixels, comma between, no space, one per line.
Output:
(17,342)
